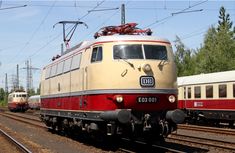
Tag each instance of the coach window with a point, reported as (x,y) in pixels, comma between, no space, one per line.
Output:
(76,62)
(233,90)
(222,90)
(97,54)
(189,92)
(197,92)
(67,65)
(209,91)
(60,68)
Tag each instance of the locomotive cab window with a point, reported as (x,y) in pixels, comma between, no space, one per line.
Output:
(209,91)
(197,92)
(155,52)
(97,54)
(222,90)
(127,52)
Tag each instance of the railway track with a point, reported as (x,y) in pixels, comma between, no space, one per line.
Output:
(13,141)
(202,141)
(207,129)
(32,120)
(25,119)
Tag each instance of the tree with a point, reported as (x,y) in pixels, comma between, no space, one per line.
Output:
(2,94)
(218,52)
(184,59)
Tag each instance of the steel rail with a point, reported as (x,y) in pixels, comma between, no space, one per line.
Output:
(20,146)
(203,141)
(207,129)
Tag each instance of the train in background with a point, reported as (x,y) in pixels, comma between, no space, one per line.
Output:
(18,101)
(121,83)
(208,97)
(34,102)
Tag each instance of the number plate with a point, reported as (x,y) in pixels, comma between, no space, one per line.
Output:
(147,81)
(147,99)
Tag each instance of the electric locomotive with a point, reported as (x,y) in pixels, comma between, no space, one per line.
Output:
(17,101)
(123,82)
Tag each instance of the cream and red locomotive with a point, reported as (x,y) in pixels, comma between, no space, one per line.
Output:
(208,97)
(18,101)
(122,82)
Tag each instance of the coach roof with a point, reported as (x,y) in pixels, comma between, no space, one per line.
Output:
(217,77)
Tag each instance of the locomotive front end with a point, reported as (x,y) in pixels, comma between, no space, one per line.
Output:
(139,84)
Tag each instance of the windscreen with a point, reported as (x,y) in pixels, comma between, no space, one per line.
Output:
(138,51)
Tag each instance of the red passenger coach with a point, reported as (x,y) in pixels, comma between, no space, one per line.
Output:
(208,96)
(123,82)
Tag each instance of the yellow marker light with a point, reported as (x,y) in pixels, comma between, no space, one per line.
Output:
(119,98)
(146,67)
(171,98)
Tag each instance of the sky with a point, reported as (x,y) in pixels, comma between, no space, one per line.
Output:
(27,32)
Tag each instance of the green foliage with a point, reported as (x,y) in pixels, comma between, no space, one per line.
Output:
(184,59)
(216,54)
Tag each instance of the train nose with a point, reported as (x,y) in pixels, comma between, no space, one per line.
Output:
(177,116)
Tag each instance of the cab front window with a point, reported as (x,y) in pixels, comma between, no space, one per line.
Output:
(139,51)
(127,52)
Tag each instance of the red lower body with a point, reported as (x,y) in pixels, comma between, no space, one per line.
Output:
(16,106)
(102,102)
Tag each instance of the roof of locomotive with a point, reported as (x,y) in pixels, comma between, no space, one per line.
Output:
(112,38)
(130,37)
(18,92)
(217,77)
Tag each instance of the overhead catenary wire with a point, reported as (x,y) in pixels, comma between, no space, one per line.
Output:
(175,13)
(35,31)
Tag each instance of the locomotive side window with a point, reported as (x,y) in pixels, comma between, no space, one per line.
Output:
(189,92)
(60,68)
(127,52)
(209,91)
(233,90)
(155,52)
(53,70)
(184,93)
(48,71)
(76,62)
(97,54)
(197,92)
(222,90)
(67,65)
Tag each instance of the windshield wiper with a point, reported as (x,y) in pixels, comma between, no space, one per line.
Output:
(124,59)
(162,60)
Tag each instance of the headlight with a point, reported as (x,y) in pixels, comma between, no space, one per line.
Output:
(119,98)
(146,67)
(171,98)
